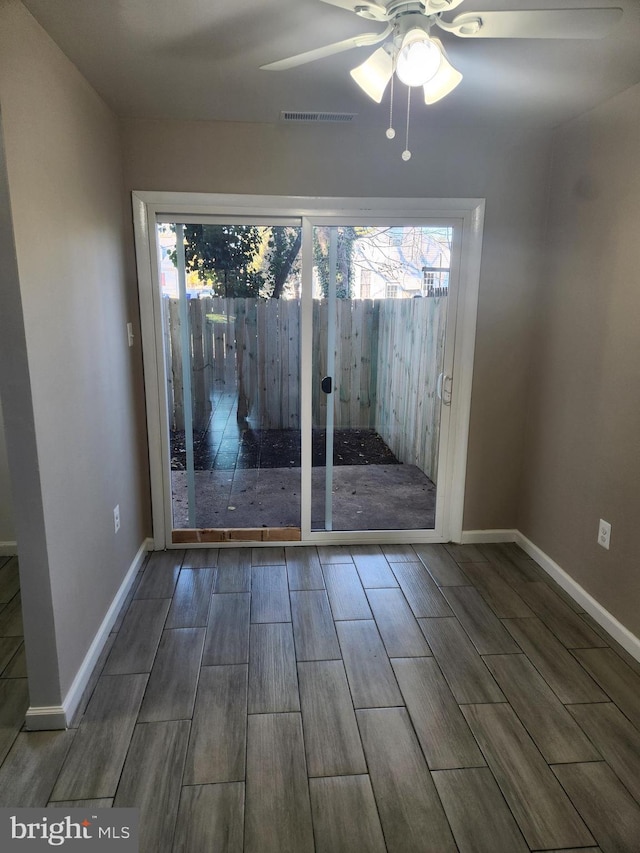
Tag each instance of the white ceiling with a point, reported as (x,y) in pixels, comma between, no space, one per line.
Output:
(199,59)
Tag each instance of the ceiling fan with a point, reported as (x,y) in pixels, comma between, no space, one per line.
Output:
(419,59)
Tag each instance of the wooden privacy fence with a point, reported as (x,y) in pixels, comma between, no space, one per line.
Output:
(410,349)
(387,358)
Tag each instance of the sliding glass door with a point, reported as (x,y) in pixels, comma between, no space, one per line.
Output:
(380,382)
(230,296)
(299,365)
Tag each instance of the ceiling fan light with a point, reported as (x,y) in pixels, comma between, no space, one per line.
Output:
(443,82)
(374,74)
(418,59)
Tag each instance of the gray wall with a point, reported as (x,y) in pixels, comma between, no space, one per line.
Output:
(7,530)
(67,310)
(507,166)
(582,451)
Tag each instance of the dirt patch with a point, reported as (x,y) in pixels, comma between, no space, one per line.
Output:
(263,448)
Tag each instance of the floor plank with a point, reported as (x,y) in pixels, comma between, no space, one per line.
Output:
(331,738)
(499,595)
(8,647)
(511,569)
(234,570)
(330,554)
(540,806)
(400,632)
(160,576)
(171,690)
(420,590)
(610,812)
(345,817)
(105,803)
(218,733)
(270,594)
(617,740)
(190,605)
(151,780)
(201,558)
(399,553)
(410,811)
(477,812)
(227,639)
(11,618)
(269,556)
(485,630)
(313,629)
(373,568)
(277,786)
(553,729)
(127,602)
(614,676)
(568,680)
(17,665)
(465,553)
(9,580)
(614,644)
(29,772)
(94,763)
(442,731)
(441,565)
(564,622)
(348,601)
(210,817)
(273,680)
(303,568)
(135,647)
(92,682)
(371,679)
(462,666)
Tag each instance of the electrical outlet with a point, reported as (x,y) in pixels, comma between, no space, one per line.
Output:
(604,534)
(116,518)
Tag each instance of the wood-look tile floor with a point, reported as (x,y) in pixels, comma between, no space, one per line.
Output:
(343,699)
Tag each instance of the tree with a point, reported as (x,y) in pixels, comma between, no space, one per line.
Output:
(224,255)
(347,235)
(242,260)
(284,248)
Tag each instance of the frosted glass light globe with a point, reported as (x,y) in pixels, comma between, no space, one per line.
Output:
(418,61)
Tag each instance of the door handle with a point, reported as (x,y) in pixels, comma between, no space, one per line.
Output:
(444,388)
(327,385)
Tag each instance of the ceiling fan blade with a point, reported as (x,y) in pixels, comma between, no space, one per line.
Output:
(328,50)
(366,8)
(555,23)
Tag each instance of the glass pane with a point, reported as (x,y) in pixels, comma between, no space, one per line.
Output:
(389,319)
(233,373)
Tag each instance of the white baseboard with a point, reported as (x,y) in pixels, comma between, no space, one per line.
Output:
(8,549)
(602,616)
(59,716)
(480,537)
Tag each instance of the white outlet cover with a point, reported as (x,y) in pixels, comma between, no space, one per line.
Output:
(604,534)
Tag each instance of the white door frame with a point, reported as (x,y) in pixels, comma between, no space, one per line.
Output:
(195,207)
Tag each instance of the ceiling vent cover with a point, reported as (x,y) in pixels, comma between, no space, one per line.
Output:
(290,115)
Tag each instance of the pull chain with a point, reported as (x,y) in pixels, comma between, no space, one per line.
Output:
(390,131)
(406,154)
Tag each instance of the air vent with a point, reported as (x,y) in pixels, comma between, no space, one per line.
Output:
(286,115)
